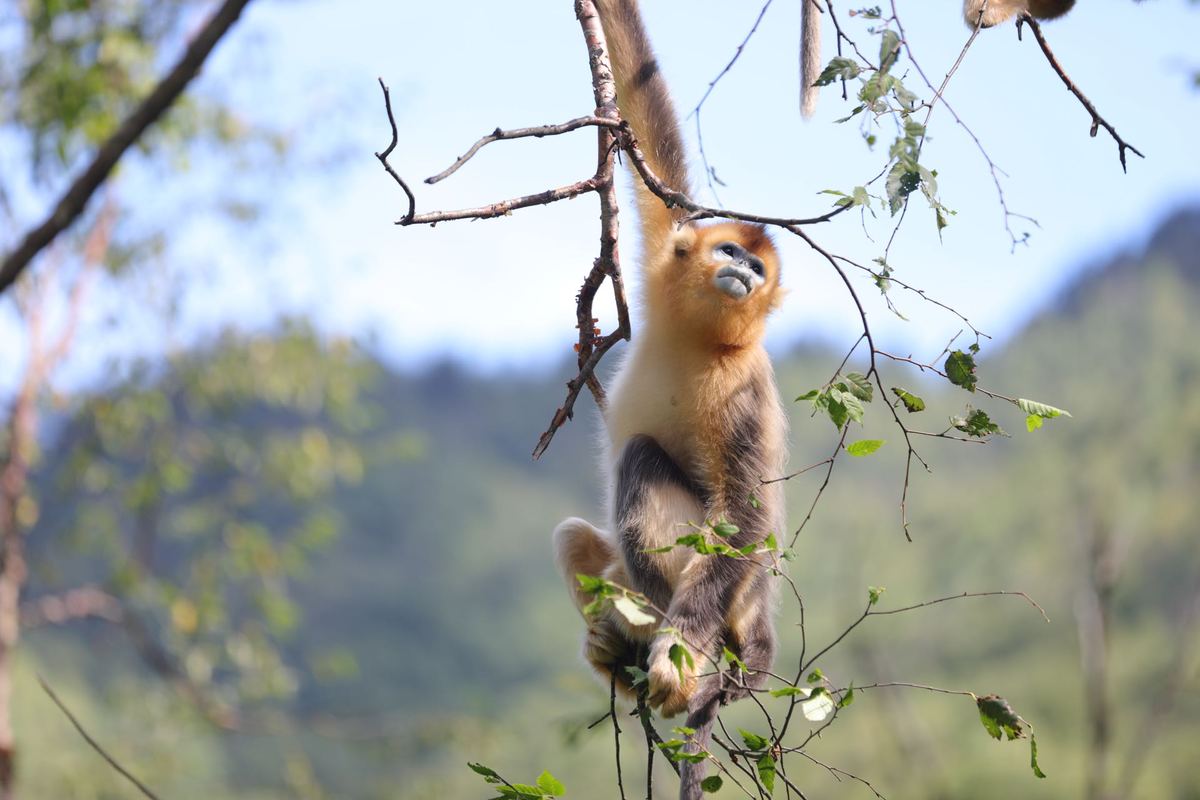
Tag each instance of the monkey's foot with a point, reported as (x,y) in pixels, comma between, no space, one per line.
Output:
(604,645)
(670,686)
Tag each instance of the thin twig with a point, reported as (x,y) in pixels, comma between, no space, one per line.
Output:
(612,712)
(709,173)
(383,157)
(504,207)
(87,737)
(522,133)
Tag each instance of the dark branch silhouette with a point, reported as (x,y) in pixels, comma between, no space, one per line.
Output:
(168,90)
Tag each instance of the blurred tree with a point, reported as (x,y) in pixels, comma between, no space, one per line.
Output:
(182,503)
(80,85)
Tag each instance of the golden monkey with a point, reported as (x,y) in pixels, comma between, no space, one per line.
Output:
(693,423)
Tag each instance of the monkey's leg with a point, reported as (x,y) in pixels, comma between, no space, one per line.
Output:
(751,636)
(582,549)
(654,502)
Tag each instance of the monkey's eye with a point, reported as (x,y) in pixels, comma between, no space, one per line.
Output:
(756,268)
(728,249)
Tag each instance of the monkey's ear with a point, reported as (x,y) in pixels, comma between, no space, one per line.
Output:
(683,241)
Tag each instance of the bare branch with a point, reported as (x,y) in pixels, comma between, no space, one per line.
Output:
(591,347)
(383,157)
(86,602)
(1097,120)
(504,207)
(612,712)
(519,133)
(87,737)
(73,202)
(697,211)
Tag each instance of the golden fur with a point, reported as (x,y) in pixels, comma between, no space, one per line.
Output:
(998,11)
(693,421)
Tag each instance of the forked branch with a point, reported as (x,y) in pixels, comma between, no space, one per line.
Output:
(1097,120)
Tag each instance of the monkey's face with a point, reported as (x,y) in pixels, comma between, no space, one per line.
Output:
(729,281)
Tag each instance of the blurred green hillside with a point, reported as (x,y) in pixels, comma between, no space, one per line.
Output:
(433,630)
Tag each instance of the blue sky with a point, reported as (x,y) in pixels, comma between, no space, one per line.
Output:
(500,292)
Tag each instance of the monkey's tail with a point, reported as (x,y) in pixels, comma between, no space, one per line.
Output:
(810,56)
(646,105)
(700,719)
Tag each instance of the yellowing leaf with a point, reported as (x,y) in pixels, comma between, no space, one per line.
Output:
(632,612)
(818,707)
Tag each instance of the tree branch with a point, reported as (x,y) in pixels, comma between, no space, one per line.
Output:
(1097,120)
(72,204)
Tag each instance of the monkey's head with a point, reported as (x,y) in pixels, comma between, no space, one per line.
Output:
(726,282)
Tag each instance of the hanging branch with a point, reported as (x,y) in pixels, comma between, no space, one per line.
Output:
(1097,120)
(75,200)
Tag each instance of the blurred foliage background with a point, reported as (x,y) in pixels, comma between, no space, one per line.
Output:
(269,564)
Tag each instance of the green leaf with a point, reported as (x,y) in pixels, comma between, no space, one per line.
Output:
(766,771)
(874,593)
(960,369)
(838,69)
(816,676)
(998,716)
(977,423)
(590,583)
(753,740)
(792,691)
(725,529)
(632,612)
(486,772)
(731,658)
(770,542)
(678,654)
(809,395)
(1033,762)
(550,784)
(1033,422)
(847,697)
(1034,408)
(852,405)
(860,386)
(889,50)
(911,402)
(711,784)
(637,675)
(864,447)
(901,182)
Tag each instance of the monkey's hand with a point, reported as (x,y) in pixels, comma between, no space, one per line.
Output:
(670,686)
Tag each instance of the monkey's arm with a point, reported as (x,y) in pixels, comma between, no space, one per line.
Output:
(646,105)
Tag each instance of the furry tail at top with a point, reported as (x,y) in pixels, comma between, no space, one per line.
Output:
(810,56)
